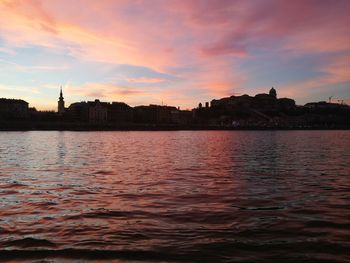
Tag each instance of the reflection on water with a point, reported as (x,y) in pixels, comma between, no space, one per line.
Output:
(174,196)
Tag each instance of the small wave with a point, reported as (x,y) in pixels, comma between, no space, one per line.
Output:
(8,192)
(327,224)
(91,255)
(260,208)
(104,213)
(13,184)
(29,242)
(103,172)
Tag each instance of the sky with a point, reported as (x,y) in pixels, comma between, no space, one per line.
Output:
(173,52)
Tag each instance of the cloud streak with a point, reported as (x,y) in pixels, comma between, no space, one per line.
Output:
(198,47)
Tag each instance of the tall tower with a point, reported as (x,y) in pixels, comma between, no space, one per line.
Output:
(61,108)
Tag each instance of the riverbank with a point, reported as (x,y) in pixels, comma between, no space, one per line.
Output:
(64,126)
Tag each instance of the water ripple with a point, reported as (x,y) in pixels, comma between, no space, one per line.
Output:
(207,196)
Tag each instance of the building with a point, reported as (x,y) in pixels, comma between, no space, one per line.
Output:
(263,106)
(182,117)
(61,109)
(13,109)
(286,104)
(155,114)
(98,112)
(78,112)
(265,102)
(262,102)
(120,112)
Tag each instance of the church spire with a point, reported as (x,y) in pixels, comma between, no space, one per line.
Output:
(61,109)
(61,94)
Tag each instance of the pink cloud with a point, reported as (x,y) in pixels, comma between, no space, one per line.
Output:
(199,34)
(223,49)
(128,31)
(104,90)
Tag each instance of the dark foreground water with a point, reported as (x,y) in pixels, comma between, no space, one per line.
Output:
(209,196)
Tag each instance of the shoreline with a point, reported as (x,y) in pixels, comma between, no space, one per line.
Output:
(154,127)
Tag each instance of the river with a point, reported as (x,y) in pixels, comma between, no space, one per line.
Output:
(174,196)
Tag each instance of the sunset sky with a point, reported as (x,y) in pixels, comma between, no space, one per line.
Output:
(179,52)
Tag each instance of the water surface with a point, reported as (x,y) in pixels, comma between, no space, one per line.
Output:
(175,196)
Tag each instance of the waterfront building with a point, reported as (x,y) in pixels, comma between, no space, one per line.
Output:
(261,107)
(182,117)
(286,104)
(120,112)
(154,114)
(78,112)
(98,112)
(13,109)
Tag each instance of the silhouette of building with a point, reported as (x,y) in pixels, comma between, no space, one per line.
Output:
(61,109)
(265,102)
(98,112)
(262,101)
(263,110)
(286,104)
(13,109)
(120,112)
(155,114)
(78,112)
(261,107)
(181,117)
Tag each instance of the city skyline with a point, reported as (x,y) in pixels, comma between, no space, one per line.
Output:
(62,99)
(176,52)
